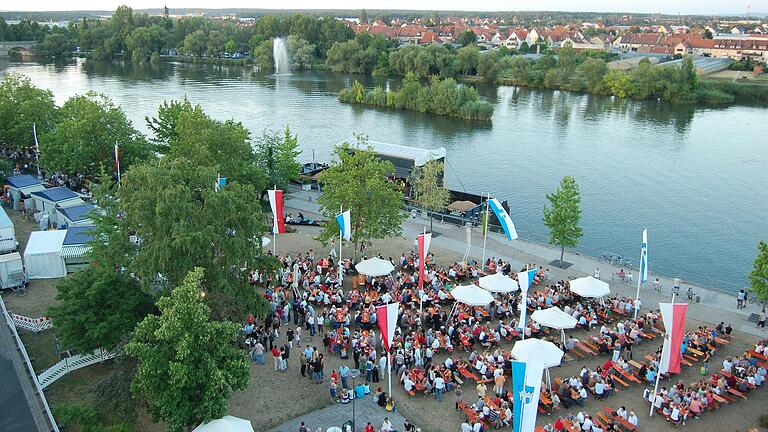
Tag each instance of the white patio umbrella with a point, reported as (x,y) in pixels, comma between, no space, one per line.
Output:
(471,295)
(226,424)
(538,351)
(590,287)
(374,267)
(498,283)
(555,318)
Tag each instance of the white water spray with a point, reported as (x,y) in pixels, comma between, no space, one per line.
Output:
(280,53)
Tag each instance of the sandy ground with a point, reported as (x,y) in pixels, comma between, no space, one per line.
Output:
(274,398)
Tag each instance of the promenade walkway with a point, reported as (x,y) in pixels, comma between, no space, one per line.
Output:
(715,306)
(338,414)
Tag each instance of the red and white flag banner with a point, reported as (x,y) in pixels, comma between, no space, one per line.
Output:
(386,316)
(424,240)
(673,316)
(276,202)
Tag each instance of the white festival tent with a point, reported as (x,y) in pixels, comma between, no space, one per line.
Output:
(374,267)
(42,257)
(590,287)
(498,283)
(540,352)
(554,318)
(225,424)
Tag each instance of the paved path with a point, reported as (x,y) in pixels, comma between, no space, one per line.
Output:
(338,414)
(20,408)
(714,306)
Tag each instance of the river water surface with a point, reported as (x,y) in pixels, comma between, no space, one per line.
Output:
(697,178)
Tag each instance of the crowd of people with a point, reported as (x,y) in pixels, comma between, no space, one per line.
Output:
(307,294)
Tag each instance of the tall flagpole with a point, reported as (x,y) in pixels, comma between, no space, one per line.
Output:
(274,226)
(37,149)
(661,361)
(485,230)
(389,371)
(421,263)
(117,163)
(640,275)
(341,271)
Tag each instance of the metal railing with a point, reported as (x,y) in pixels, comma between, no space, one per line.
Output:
(35,325)
(73,363)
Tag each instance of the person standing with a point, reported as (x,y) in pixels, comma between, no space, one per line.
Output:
(439,388)
(761,319)
(740,299)
(676,285)
(458,397)
(276,357)
(344,375)
(597,272)
(258,353)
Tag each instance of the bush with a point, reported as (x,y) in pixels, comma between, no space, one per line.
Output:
(83,417)
(714,97)
(763,421)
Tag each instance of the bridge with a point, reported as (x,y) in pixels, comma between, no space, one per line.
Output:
(6,46)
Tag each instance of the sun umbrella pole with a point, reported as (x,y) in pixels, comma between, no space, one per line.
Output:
(421,287)
(341,268)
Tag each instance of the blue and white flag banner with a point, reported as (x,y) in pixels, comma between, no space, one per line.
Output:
(345,225)
(504,219)
(526,386)
(644,257)
(525,280)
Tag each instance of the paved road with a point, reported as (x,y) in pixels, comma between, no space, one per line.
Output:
(338,414)
(20,408)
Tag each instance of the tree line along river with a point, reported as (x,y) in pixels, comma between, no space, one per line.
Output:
(695,177)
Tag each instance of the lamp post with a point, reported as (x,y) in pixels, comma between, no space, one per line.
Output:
(354,373)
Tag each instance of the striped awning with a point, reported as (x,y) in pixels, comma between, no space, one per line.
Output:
(75,251)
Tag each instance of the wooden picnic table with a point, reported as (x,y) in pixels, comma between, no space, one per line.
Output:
(624,424)
(735,392)
(635,364)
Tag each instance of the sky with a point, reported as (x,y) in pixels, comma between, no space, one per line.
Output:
(699,7)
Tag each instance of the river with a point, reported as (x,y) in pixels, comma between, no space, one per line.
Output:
(696,177)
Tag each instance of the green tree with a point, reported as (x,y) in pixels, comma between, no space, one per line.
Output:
(188,364)
(183,223)
(99,306)
(355,180)
(276,154)
(224,145)
(263,55)
(563,215)
(468,58)
(619,83)
(428,188)
(708,34)
(21,105)
(83,139)
(215,44)
(363,17)
(302,53)
(231,46)
(164,125)
(758,277)
(489,66)
(54,45)
(466,37)
(195,43)
(589,76)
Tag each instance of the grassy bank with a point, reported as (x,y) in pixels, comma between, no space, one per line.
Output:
(715,91)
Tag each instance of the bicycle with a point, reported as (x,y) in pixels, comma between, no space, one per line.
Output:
(20,290)
(605,257)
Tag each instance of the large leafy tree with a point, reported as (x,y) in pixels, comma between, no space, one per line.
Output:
(358,181)
(183,223)
(276,154)
(21,105)
(99,306)
(188,364)
(225,145)
(758,277)
(563,215)
(429,191)
(164,126)
(83,139)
